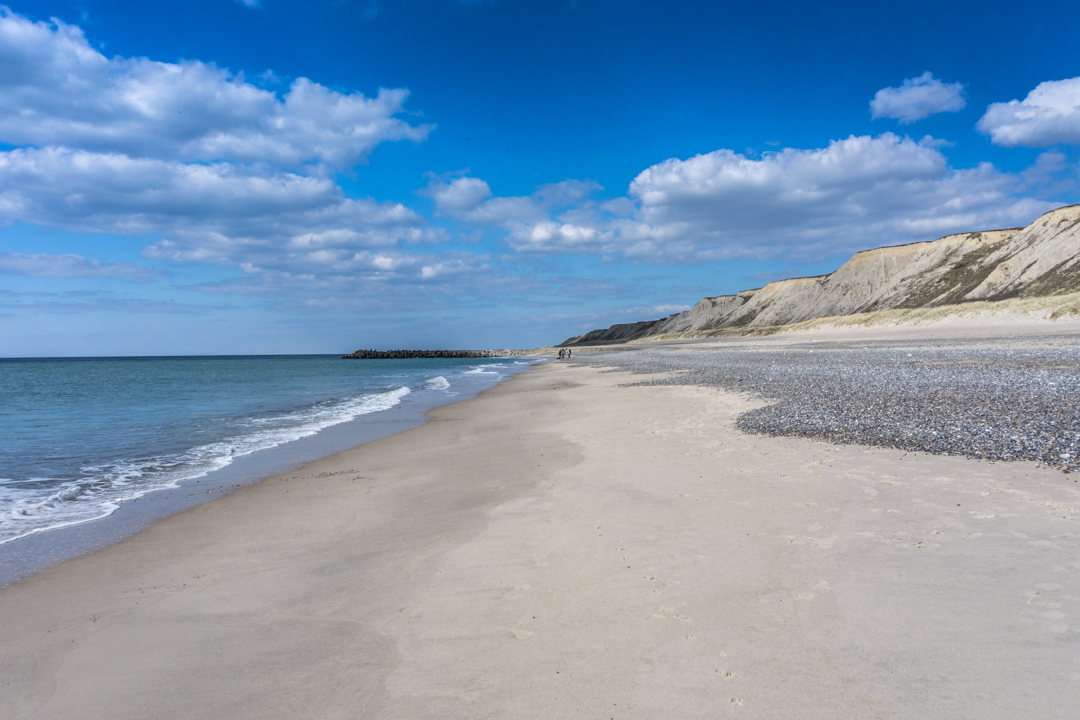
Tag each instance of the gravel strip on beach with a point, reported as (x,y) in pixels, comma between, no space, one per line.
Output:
(1013,399)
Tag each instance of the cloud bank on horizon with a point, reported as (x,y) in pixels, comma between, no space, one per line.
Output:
(252,178)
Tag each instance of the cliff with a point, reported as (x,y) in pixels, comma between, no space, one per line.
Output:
(1042,259)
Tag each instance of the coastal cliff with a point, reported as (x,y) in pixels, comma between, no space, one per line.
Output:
(1042,259)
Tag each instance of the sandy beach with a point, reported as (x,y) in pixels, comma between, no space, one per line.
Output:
(563,546)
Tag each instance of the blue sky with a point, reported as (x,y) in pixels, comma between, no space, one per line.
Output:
(281,177)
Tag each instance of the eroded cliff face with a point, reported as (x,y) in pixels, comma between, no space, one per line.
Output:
(1042,259)
(1039,260)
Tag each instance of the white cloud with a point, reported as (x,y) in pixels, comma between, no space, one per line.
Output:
(292,236)
(1050,114)
(55,89)
(71,266)
(225,214)
(917,98)
(459,196)
(552,236)
(222,171)
(558,217)
(388,275)
(470,199)
(857,193)
(100,192)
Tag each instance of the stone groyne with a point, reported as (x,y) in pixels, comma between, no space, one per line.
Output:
(408,354)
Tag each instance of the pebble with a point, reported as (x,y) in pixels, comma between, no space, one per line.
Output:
(998,400)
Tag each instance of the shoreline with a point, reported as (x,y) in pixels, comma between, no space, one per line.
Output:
(22,557)
(992,398)
(563,544)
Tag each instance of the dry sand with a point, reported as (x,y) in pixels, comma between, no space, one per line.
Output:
(561,547)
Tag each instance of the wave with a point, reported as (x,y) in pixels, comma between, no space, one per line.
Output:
(437,383)
(105,487)
(482,370)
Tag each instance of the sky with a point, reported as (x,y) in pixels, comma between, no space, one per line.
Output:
(276,176)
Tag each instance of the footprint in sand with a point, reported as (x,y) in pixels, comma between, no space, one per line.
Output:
(518,591)
(823,543)
(822,586)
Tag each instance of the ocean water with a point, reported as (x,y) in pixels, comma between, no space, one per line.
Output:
(79,437)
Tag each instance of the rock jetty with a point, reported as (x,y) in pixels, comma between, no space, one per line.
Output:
(427,354)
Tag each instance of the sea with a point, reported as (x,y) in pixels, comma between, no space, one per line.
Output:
(82,437)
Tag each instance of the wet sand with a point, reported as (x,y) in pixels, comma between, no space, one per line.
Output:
(565,547)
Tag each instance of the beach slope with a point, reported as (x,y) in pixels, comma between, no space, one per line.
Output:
(565,547)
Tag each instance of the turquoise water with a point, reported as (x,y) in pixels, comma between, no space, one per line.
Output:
(78,437)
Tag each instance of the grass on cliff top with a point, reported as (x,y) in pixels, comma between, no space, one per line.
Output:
(1055,307)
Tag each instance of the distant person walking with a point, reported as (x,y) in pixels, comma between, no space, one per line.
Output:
(562,354)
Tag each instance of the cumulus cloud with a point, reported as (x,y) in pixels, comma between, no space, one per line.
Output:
(558,217)
(222,171)
(470,199)
(71,266)
(856,193)
(459,196)
(917,98)
(225,214)
(55,89)
(1050,114)
(554,236)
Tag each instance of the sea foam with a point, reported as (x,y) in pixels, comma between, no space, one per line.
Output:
(48,503)
(437,383)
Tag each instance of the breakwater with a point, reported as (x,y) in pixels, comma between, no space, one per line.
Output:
(428,354)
